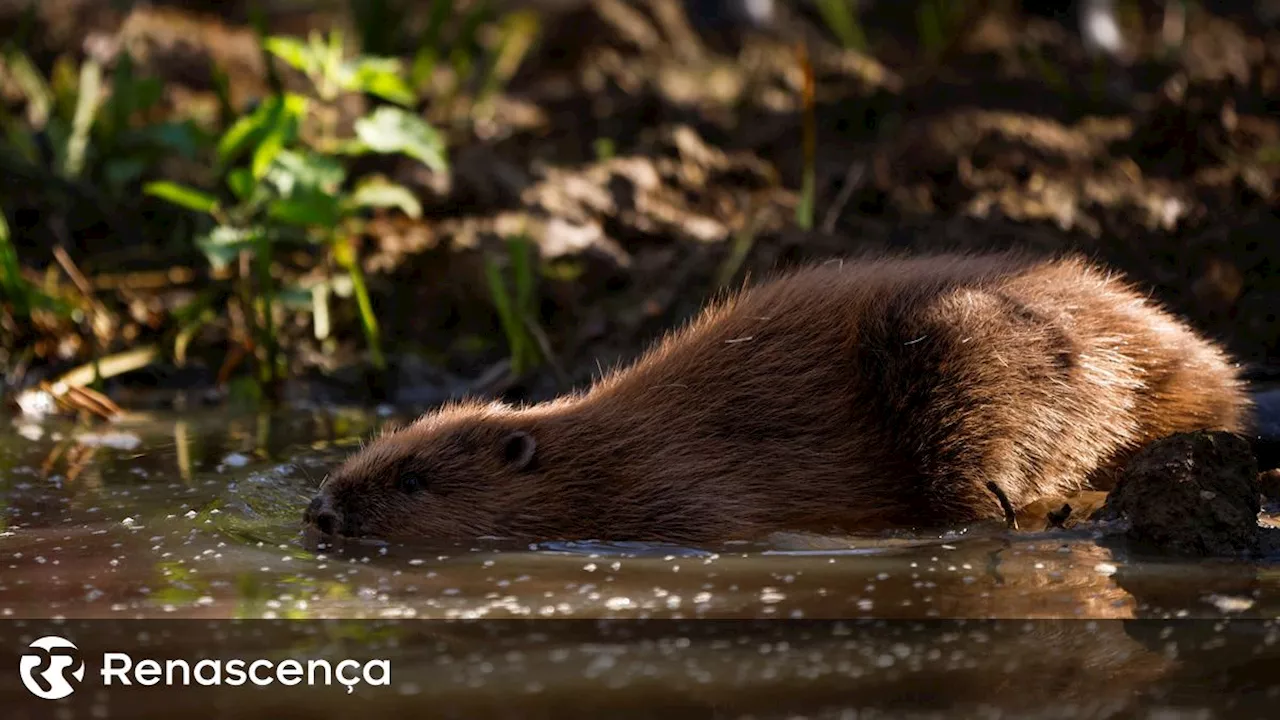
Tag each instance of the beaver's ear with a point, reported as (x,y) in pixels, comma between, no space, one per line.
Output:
(518,450)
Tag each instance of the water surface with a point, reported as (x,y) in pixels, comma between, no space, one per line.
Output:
(197,517)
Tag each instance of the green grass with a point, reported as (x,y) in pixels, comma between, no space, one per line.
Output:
(516,303)
(937,24)
(809,144)
(21,295)
(841,17)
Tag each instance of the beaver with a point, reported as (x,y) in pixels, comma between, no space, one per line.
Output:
(856,395)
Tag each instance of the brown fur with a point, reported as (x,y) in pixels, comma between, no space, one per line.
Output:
(849,396)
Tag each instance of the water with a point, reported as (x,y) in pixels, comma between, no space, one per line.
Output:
(130,533)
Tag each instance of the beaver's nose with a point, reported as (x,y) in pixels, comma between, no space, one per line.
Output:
(320,514)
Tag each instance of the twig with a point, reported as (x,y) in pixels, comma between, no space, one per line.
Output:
(145,279)
(630,22)
(73,272)
(94,402)
(182,444)
(544,344)
(50,460)
(82,399)
(235,355)
(100,318)
(1010,517)
(83,456)
(852,181)
(111,366)
(495,380)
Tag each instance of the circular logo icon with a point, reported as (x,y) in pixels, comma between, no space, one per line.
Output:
(47,663)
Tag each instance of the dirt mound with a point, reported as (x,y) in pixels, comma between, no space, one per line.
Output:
(1190,494)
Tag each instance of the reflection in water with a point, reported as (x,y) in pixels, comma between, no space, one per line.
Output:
(198,517)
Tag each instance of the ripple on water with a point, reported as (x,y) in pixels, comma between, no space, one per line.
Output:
(204,523)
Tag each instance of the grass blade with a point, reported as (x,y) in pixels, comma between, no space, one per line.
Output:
(842,19)
(805,209)
(11,280)
(182,196)
(507,316)
(522,267)
(88,100)
(345,253)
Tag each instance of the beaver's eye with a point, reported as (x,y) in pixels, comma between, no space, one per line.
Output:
(409,483)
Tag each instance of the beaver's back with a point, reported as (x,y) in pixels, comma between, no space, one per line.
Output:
(894,389)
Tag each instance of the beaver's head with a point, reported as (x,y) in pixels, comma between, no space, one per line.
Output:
(463,472)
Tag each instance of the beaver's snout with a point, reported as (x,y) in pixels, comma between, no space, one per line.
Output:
(321,515)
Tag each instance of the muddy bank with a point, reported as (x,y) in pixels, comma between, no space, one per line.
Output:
(653,165)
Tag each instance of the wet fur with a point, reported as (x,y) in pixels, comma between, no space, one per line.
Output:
(849,396)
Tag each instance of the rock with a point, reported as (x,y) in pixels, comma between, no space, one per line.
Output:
(1190,494)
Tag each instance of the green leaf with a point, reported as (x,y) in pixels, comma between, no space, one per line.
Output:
(392,88)
(239,134)
(348,146)
(306,208)
(241,182)
(294,171)
(276,115)
(228,236)
(395,130)
(372,65)
(381,77)
(308,185)
(293,51)
(266,152)
(279,135)
(182,195)
(223,244)
(381,193)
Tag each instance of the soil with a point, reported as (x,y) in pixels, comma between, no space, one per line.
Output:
(1162,163)
(1191,494)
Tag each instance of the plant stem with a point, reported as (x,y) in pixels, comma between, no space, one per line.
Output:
(345,254)
(804,211)
(262,268)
